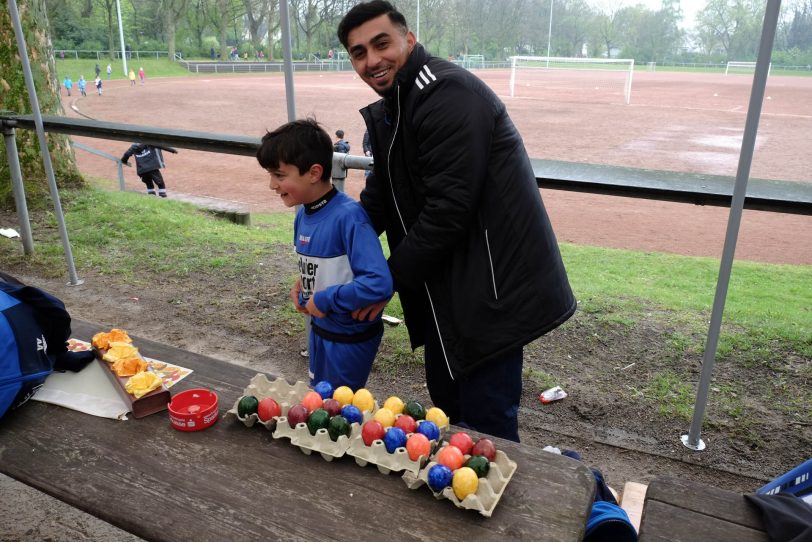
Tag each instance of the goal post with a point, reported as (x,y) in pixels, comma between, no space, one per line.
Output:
(472,61)
(571,74)
(740,66)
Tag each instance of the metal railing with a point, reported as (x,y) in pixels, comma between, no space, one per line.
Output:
(100,55)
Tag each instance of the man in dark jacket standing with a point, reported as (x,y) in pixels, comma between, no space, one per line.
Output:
(473,254)
(148,162)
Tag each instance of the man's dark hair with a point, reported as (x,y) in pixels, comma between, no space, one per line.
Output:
(367,11)
(300,143)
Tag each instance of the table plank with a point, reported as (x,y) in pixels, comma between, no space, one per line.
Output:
(679,509)
(230,482)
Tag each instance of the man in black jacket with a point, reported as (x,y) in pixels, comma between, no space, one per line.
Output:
(473,254)
(148,163)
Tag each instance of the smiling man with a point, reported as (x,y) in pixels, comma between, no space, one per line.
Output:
(473,255)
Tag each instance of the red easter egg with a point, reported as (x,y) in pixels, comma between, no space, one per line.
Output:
(406,422)
(312,401)
(417,445)
(297,414)
(463,441)
(451,457)
(268,408)
(371,431)
(485,447)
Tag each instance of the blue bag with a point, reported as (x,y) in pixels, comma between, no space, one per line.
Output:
(34,329)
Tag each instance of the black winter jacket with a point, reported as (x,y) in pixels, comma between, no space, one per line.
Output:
(472,247)
(147,157)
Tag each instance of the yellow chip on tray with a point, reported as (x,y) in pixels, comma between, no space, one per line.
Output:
(120,350)
(103,339)
(142,383)
(129,366)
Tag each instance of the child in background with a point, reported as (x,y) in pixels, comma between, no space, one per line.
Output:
(68,84)
(148,164)
(340,145)
(132,77)
(82,84)
(98,83)
(341,264)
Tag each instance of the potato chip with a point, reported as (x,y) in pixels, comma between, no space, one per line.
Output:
(103,339)
(129,366)
(142,383)
(119,350)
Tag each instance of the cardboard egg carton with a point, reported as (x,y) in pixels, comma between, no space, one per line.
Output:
(488,493)
(320,442)
(380,457)
(283,393)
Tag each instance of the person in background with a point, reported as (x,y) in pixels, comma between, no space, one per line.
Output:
(367,150)
(340,145)
(98,69)
(141,74)
(109,70)
(131,77)
(68,84)
(473,254)
(82,84)
(98,83)
(341,264)
(148,163)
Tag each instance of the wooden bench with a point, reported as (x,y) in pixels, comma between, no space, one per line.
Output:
(680,510)
(230,482)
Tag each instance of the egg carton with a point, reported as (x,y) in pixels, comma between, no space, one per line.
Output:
(320,442)
(283,393)
(488,492)
(377,454)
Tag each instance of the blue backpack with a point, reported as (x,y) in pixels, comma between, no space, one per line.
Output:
(34,329)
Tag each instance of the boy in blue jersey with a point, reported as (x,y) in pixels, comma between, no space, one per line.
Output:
(341,264)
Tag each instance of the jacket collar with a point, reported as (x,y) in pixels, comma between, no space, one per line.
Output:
(407,74)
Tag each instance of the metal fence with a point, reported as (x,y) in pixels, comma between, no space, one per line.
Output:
(99,55)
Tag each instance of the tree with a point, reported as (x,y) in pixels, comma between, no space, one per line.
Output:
(172,10)
(14,97)
(799,35)
(734,24)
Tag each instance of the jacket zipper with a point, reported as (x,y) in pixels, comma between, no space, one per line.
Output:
(490,261)
(13,380)
(405,231)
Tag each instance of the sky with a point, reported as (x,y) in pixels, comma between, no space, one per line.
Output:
(689,8)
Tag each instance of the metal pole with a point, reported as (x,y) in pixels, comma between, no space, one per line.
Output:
(550,33)
(418,21)
(19,190)
(692,440)
(288,59)
(121,36)
(43,143)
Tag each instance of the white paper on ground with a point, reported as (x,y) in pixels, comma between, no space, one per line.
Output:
(89,391)
(9,232)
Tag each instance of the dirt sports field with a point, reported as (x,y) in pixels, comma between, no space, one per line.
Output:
(684,122)
(680,122)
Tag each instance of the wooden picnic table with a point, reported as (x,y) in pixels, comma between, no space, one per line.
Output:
(231,482)
(682,510)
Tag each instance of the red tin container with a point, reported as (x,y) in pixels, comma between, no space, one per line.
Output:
(193,410)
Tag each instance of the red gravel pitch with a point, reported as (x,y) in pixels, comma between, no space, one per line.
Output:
(676,121)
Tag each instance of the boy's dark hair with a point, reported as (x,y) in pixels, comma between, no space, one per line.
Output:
(339,133)
(366,11)
(300,143)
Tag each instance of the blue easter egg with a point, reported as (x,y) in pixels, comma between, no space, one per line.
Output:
(394,438)
(352,413)
(439,477)
(429,429)
(325,389)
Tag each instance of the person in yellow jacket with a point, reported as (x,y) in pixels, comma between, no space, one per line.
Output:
(132,78)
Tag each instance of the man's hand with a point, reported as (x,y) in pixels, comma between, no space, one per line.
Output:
(370,312)
(294,296)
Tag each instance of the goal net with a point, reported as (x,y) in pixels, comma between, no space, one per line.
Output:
(572,79)
(737,66)
(472,61)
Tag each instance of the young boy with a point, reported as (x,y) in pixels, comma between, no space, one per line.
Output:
(341,145)
(148,164)
(341,264)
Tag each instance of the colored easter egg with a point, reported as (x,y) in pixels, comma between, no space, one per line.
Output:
(480,465)
(338,426)
(418,445)
(318,419)
(343,394)
(405,422)
(439,477)
(248,405)
(364,400)
(395,404)
(332,406)
(465,482)
(296,415)
(312,400)
(385,416)
(415,409)
(324,388)
(352,413)
(451,457)
(372,431)
(436,415)
(429,429)
(393,439)
(463,441)
(486,447)
(268,408)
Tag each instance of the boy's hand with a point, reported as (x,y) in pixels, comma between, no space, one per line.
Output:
(370,312)
(312,309)
(294,296)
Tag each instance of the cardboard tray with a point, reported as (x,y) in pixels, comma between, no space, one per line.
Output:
(155,401)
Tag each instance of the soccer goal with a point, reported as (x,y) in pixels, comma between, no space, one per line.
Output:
(735,66)
(578,79)
(472,61)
